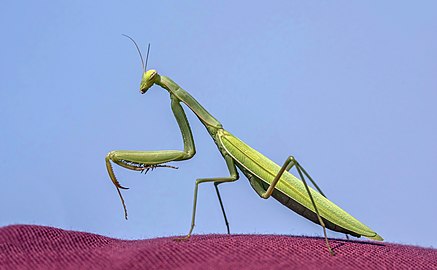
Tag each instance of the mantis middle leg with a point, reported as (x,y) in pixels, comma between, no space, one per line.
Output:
(218,180)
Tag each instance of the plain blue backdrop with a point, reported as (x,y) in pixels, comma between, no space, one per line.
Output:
(349,88)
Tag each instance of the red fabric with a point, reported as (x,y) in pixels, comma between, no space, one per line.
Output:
(38,247)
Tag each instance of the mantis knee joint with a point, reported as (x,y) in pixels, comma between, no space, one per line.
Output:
(265,196)
(110,156)
(190,153)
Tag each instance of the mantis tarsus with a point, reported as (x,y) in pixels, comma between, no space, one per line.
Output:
(266,177)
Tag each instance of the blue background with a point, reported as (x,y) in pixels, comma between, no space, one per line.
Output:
(349,88)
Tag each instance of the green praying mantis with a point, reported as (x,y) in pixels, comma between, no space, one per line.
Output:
(265,176)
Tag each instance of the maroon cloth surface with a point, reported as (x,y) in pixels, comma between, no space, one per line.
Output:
(38,247)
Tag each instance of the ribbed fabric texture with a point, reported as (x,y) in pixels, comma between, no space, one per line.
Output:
(38,247)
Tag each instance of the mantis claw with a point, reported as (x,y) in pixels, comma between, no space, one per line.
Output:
(122,202)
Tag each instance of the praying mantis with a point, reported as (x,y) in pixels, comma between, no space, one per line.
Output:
(266,177)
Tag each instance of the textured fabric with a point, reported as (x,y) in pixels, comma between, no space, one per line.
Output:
(38,247)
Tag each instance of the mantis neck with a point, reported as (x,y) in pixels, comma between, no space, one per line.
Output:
(204,116)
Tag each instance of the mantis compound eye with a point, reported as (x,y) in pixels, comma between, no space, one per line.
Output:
(152,75)
(148,80)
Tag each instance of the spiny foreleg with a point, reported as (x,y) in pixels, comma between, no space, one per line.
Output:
(141,161)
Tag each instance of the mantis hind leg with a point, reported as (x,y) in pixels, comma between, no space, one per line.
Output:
(218,180)
(288,164)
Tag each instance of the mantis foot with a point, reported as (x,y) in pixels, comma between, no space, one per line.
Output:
(182,239)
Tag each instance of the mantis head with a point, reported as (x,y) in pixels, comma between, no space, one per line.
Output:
(149,78)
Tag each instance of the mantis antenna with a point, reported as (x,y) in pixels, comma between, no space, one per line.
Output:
(143,66)
(147,57)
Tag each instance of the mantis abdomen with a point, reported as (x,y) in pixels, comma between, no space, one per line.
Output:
(290,191)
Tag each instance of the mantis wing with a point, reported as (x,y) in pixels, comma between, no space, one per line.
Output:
(290,186)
